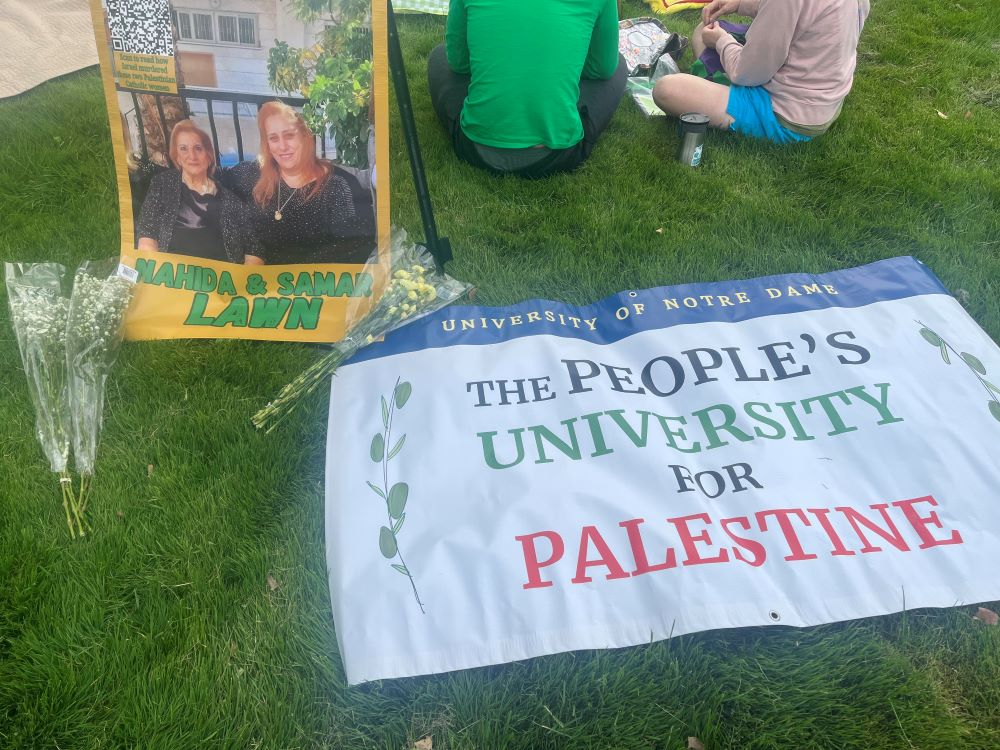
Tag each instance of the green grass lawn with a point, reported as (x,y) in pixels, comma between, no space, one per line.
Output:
(162,631)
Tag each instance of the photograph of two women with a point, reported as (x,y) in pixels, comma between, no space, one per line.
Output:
(239,165)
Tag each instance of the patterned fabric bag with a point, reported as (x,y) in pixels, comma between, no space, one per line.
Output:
(641,41)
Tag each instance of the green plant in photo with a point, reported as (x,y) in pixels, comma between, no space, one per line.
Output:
(970,360)
(334,74)
(394,496)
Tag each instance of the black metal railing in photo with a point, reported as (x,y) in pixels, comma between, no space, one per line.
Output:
(187,94)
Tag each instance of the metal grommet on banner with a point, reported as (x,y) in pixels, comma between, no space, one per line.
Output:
(773,614)
(633,294)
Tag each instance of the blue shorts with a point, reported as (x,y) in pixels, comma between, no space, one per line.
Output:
(752,113)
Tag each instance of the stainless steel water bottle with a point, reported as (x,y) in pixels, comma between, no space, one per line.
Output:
(691,128)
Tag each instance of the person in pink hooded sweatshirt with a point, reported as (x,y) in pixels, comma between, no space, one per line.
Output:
(790,78)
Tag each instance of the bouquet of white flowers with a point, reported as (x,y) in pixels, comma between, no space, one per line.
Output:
(67,345)
(415,290)
(93,336)
(39,304)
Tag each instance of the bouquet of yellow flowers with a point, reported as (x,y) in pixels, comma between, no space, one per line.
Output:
(415,290)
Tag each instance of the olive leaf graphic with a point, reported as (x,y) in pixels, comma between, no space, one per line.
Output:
(970,360)
(394,496)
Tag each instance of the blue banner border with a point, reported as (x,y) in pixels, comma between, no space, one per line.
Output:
(617,316)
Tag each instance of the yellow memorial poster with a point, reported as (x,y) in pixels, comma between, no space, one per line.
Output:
(246,135)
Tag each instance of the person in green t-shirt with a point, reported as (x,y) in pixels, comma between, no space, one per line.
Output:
(527,86)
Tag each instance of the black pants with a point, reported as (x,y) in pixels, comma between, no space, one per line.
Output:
(598,102)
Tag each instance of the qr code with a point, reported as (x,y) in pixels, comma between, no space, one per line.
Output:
(140,26)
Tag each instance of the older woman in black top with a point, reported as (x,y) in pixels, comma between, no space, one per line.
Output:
(305,210)
(187,212)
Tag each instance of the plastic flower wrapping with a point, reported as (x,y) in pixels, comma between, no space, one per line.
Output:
(93,337)
(36,293)
(415,290)
(68,344)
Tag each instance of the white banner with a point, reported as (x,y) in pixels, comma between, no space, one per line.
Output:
(504,483)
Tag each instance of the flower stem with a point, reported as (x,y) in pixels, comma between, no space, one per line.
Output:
(288,398)
(82,499)
(69,496)
(63,480)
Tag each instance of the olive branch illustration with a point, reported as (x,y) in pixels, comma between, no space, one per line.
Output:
(395,496)
(972,362)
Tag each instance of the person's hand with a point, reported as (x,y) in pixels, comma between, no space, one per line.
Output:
(717,9)
(710,35)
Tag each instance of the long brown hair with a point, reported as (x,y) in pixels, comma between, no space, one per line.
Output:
(317,170)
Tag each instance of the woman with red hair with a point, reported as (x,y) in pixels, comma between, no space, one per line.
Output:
(305,210)
(185,211)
